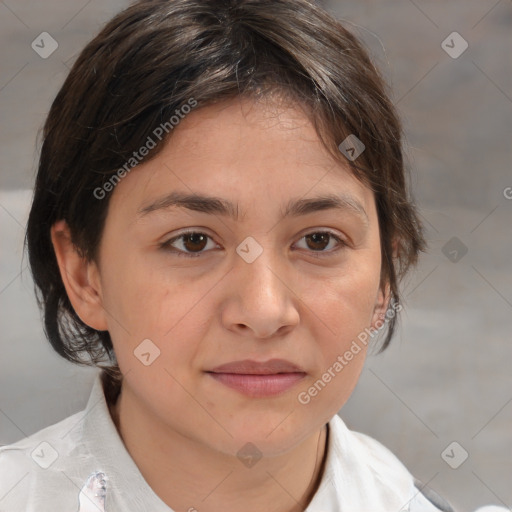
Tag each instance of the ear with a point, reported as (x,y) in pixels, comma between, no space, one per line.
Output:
(384,296)
(81,278)
(381,306)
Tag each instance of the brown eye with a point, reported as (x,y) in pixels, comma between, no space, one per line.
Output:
(319,241)
(194,241)
(190,244)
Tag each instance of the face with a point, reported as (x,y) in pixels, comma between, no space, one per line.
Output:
(264,272)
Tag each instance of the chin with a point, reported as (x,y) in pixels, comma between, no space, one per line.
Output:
(273,440)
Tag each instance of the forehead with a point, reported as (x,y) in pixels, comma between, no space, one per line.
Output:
(251,153)
(269,130)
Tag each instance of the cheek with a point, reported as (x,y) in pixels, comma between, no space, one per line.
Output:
(338,310)
(140,291)
(343,305)
(145,301)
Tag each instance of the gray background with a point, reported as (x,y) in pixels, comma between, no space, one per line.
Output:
(447,375)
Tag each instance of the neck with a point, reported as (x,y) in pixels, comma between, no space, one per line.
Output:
(186,474)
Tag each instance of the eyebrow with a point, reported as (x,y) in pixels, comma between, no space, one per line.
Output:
(218,206)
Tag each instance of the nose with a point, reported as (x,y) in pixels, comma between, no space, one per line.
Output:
(260,298)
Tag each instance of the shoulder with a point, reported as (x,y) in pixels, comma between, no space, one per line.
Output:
(53,436)
(35,467)
(51,446)
(39,450)
(386,471)
(426,500)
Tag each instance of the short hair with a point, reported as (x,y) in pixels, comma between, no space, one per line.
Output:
(156,55)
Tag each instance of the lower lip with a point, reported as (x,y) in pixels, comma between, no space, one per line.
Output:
(259,385)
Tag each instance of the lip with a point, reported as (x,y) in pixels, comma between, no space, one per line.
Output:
(258,379)
(250,367)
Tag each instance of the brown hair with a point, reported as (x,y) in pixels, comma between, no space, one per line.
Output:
(152,58)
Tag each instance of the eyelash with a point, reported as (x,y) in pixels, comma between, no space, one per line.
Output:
(317,254)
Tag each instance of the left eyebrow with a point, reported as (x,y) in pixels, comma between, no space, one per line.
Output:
(218,206)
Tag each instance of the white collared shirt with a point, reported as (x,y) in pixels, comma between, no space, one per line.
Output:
(81,464)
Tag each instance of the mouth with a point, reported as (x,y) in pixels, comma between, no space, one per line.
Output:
(258,379)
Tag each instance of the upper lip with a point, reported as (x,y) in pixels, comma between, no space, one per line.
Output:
(250,367)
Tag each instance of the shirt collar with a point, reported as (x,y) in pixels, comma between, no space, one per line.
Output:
(125,481)
(360,475)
